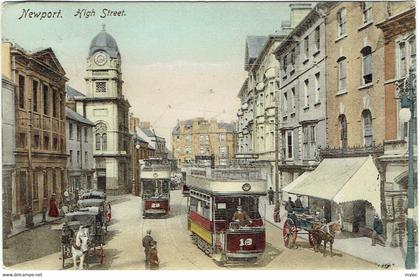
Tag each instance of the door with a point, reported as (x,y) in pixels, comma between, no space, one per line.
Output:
(102,183)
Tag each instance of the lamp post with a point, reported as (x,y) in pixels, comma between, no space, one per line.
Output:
(407,113)
(137,172)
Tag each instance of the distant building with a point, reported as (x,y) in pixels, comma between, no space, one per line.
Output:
(80,163)
(198,137)
(40,132)
(158,143)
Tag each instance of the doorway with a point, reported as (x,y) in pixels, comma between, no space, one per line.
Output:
(102,179)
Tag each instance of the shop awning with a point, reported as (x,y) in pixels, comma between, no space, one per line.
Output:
(341,180)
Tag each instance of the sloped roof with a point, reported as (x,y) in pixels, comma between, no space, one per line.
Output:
(229,127)
(71,93)
(77,117)
(175,130)
(147,132)
(253,47)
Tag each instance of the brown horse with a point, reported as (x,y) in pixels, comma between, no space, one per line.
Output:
(324,233)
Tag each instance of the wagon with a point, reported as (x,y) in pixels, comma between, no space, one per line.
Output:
(299,220)
(87,217)
(103,207)
(95,194)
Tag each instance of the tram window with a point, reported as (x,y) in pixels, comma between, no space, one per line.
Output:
(206,211)
(193,204)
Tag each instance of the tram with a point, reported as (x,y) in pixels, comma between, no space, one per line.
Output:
(155,180)
(215,197)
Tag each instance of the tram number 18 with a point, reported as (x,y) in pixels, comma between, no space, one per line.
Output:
(243,242)
(155,205)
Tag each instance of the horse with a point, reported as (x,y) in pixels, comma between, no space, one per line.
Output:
(325,233)
(80,246)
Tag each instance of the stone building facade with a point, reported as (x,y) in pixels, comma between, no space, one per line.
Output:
(399,30)
(106,106)
(40,134)
(302,98)
(80,163)
(201,137)
(8,148)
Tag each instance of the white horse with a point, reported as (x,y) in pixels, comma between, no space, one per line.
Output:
(80,246)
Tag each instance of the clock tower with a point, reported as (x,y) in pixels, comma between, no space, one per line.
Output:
(106,106)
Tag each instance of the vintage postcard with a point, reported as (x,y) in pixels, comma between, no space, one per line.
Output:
(209,135)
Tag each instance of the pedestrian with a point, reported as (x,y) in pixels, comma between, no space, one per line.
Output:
(147,243)
(271,196)
(378,230)
(276,214)
(298,202)
(241,217)
(153,256)
(53,207)
(289,205)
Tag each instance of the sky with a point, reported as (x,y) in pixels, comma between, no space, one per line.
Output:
(179,60)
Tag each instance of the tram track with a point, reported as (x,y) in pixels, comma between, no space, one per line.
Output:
(169,231)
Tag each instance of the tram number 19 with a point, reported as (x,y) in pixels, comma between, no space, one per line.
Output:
(243,242)
(155,205)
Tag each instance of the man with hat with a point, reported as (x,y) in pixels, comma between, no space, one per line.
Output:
(377,231)
(147,244)
(241,217)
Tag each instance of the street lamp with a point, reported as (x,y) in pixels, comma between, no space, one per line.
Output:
(408,100)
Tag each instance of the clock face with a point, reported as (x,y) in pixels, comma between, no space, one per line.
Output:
(100,58)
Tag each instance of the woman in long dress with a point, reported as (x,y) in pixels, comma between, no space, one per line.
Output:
(53,206)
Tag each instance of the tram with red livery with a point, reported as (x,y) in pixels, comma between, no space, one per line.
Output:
(155,180)
(215,195)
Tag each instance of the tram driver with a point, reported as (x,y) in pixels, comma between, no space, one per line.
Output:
(241,217)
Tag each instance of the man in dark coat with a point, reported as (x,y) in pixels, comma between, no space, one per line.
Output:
(377,232)
(147,244)
(270,196)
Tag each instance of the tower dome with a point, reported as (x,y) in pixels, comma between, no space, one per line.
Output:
(105,42)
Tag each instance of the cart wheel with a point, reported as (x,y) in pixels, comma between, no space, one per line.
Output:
(102,253)
(311,239)
(62,256)
(289,232)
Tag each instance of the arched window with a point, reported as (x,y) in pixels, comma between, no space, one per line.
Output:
(98,141)
(343,130)
(367,75)
(101,136)
(341,22)
(367,128)
(341,64)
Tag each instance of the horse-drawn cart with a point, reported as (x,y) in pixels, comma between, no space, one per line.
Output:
(102,207)
(298,220)
(82,230)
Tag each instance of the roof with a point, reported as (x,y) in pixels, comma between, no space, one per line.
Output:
(147,132)
(137,137)
(175,130)
(105,42)
(151,147)
(77,117)
(229,127)
(71,93)
(341,180)
(253,47)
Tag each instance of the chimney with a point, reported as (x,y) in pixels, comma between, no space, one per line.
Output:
(297,12)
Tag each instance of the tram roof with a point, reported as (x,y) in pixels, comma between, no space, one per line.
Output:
(91,202)
(227,187)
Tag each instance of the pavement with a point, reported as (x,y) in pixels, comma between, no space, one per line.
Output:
(19,225)
(384,257)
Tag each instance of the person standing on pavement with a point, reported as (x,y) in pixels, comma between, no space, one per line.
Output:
(53,212)
(147,244)
(271,196)
(153,256)
(378,230)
